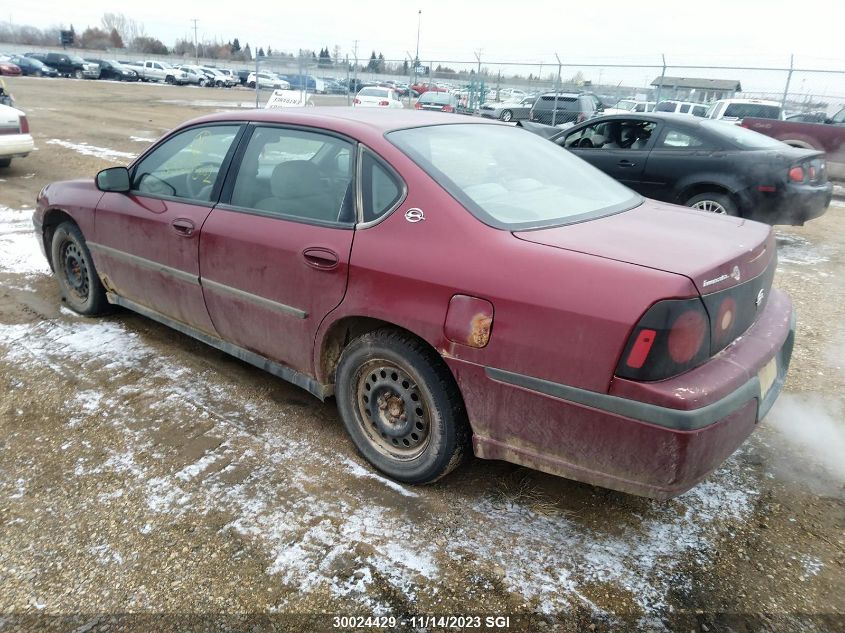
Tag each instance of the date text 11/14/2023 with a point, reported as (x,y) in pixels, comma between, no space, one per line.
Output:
(452,622)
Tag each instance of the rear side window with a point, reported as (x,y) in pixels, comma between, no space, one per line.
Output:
(665,106)
(758,110)
(563,103)
(380,188)
(675,139)
(684,108)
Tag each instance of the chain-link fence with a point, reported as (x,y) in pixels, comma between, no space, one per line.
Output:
(481,86)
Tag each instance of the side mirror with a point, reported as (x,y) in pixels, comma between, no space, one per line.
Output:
(114,179)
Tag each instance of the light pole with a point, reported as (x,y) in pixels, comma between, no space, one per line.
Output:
(417,58)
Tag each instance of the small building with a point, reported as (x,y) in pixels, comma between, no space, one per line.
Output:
(696,89)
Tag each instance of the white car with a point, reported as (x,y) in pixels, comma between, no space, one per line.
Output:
(373,97)
(624,106)
(220,78)
(737,109)
(267,80)
(15,140)
(682,107)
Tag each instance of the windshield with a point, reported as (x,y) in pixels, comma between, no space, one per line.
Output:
(759,110)
(740,136)
(75,59)
(511,179)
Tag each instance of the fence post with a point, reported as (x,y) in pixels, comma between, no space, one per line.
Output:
(257,83)
(788,79)
(348,98)
(557,90)
(660,85)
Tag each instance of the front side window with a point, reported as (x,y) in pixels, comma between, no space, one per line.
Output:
(185,165)
(617,134)
(296,174)
(510,179)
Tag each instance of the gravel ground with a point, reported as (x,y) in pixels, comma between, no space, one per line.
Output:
(144,473)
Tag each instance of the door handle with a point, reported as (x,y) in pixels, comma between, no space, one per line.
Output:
(321,258)
(626,163)
(183,227)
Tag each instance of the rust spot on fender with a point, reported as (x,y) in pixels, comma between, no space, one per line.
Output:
(479,330)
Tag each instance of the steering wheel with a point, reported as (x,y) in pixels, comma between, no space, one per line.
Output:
(584,142)
(201,178)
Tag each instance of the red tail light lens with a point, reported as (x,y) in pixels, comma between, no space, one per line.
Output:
(796,174)
(672,337)
(417,106)
(448,108)
(356,100)
(24,125)
(384,103)
(581,117)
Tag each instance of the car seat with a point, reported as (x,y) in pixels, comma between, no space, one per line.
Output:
(297,189)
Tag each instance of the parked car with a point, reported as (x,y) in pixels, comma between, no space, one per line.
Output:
(15,139)
(6,97)
(68,65)
(113,69)
(194,75)
(308,83)
(709,165)
(243,75)
(682,107)
(152,70)
(508,110)
(9,69)
(566,107)
(440,102)
(231,75)
(30,66)
(377,98)
(445,349)
(219,78)
(828,136)
(268,80)
(630,105)
(738,109)
(421,88)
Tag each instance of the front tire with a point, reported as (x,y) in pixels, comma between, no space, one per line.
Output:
(78,281)
(507,115)
(713,202)
(401,407)
(78,74)
(170,79)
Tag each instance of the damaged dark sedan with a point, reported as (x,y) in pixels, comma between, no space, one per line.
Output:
(709,165)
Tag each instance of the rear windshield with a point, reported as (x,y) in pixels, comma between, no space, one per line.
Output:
(436,97)
(373,92)
(740,136)
(547,102)
(511,179)
(759,110)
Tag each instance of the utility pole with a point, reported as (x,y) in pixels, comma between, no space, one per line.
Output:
(417,58)
(196,49)
(355,70)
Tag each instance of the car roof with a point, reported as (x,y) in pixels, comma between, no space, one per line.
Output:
(669,117)
(359,123)
(759,101)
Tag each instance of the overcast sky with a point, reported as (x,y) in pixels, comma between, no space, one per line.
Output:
(717,32)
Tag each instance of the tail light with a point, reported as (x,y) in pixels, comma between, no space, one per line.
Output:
(581,117)
(24,123)
(671,337)
(417,106)
(384,103)
(796,174)
(356,100)
(448,108)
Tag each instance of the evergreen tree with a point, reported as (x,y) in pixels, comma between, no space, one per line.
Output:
(236,46)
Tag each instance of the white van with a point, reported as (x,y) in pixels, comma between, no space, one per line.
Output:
(738,109)
(682,107)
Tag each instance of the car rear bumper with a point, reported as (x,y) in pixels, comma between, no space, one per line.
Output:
(634,445)
(15,145)
(794,204)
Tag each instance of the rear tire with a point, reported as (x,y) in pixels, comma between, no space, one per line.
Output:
(713,202)
(401,407)
(507,115)
(251,84)
(5,162)
(78,281)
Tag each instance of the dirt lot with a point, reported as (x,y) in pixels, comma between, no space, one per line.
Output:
(142,472)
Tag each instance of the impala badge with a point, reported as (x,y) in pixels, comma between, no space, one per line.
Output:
(735,273)
(414,215)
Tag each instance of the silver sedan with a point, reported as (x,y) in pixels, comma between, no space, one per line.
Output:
(508,110)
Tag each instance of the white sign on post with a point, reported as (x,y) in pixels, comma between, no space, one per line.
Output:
(288,99)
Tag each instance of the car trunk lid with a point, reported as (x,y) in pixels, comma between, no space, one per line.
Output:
(714,252)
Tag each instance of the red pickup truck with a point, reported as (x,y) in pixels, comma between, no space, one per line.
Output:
(828,137)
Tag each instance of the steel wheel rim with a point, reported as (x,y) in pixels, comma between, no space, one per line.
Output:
(507,116)
(711,206)
(74,270)
(384,395)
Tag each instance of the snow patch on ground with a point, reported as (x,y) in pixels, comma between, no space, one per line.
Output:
(92,150)
(798,251)
(19,250)
(142,139)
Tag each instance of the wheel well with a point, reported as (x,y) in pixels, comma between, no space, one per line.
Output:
(52,219)
(345,330)
(796,143)
(694,190)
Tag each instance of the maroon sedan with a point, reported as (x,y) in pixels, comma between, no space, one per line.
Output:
(9,69)
(452,282)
